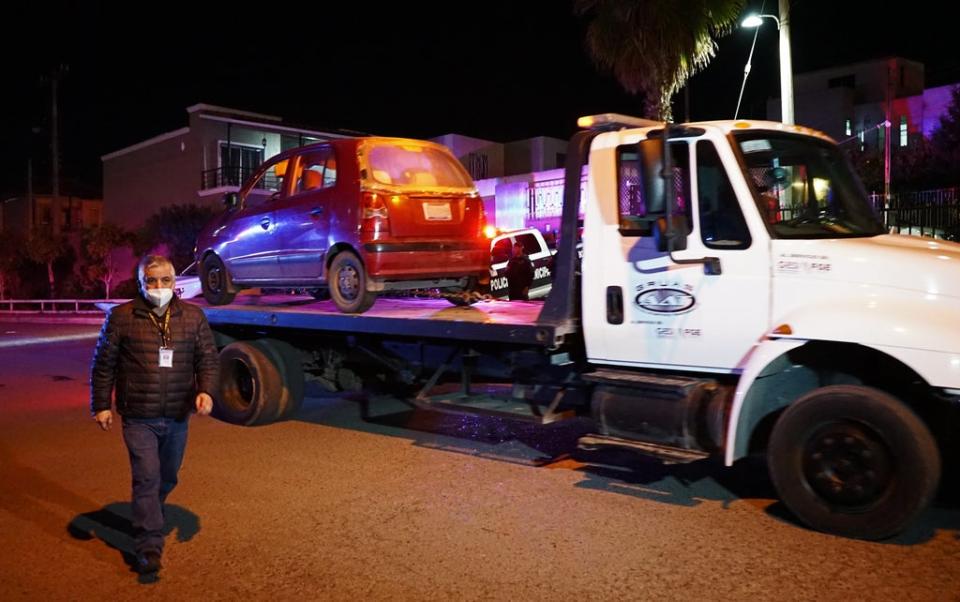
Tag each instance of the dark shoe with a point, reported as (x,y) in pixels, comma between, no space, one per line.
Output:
(148,562)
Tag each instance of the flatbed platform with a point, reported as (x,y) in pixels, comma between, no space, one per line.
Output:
(492,321)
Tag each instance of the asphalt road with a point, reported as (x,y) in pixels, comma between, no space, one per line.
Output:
(407,506)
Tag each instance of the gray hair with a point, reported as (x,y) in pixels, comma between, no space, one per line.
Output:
(151,261)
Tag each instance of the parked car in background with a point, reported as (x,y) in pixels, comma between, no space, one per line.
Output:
(355,216)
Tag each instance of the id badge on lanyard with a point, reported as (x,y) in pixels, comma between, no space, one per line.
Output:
(166,357)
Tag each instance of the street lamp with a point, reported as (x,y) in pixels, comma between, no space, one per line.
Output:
(786,68)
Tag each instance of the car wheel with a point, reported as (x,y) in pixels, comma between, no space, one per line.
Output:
(348,284)
(215,281)
(853,461)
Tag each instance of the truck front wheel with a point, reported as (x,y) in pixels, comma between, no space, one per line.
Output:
(853,461)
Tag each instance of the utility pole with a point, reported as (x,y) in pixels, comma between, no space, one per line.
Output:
(786,65)
(55,77)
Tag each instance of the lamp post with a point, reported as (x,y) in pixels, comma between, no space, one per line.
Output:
(786,66)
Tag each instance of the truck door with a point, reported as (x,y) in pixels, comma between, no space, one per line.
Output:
(643,309)
(303,219)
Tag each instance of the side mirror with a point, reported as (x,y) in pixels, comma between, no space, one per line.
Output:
(667,240)
(231,200)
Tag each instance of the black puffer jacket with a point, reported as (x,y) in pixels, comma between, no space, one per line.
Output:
(127,360)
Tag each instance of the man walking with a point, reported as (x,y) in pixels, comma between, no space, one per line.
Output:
(158,357)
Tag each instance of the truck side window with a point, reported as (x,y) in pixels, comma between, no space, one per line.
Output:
(721,221)
(637,213)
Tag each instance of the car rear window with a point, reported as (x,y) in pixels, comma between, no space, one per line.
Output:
(416,166)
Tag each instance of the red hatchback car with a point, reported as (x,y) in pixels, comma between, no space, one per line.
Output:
(352,216)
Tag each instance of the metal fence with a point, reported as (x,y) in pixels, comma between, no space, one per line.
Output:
(925,213)
(55,306)
(235,176)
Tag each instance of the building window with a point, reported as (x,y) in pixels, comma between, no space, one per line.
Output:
(846,127)
(903,130)
(844,81)
(238,162)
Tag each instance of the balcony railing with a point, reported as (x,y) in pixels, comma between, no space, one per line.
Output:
(234,176)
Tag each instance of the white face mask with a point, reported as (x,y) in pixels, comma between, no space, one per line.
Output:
(159,296)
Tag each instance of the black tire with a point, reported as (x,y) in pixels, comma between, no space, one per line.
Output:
(320,294)
(215,281)
(251,385)
(348,284)
(470,287)
(853,461)
(288,360)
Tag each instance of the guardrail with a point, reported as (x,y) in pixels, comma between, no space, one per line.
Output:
(54,306)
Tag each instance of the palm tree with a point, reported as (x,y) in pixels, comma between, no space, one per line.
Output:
(653,46)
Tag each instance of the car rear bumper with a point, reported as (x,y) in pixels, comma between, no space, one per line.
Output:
(403,261)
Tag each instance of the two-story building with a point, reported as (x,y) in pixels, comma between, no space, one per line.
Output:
(196,164)
(855,100)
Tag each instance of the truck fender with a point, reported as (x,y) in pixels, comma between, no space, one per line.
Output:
(751,401)
(922,339)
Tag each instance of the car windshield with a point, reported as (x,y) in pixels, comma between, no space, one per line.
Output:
(806,188)
(416,166)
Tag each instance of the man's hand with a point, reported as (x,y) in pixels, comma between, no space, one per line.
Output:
(204,404)
(104,418)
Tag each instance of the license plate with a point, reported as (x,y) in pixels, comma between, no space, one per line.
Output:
(437,212)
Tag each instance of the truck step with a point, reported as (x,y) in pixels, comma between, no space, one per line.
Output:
(646,380)
(669,455)
(495,406)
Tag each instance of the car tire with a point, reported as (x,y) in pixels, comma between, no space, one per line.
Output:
(251,384)
(348,284)
(215,281)
(853,461)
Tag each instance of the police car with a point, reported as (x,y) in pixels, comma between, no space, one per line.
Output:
(536,248)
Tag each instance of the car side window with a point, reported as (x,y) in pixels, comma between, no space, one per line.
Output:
(318,169)
(269,186)
(501,251)
(530,243)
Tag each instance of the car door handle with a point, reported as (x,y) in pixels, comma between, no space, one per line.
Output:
(316,212)
(265,223)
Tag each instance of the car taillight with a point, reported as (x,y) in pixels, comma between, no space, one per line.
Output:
(375,215)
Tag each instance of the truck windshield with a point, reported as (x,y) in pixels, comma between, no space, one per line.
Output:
(416,166)
(805,187)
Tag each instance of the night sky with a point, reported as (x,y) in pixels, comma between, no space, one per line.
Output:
(495,70)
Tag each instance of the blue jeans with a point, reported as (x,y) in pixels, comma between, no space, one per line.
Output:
(156,447)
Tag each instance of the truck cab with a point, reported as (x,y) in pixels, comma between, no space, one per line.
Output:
(760,261)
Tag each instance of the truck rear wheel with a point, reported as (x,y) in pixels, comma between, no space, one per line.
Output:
(348,284)
(287,359)
(854,461)
(251,385)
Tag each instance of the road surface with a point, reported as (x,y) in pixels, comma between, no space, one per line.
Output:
(407,506)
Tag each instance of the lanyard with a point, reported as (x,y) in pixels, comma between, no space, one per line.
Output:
(165,329)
